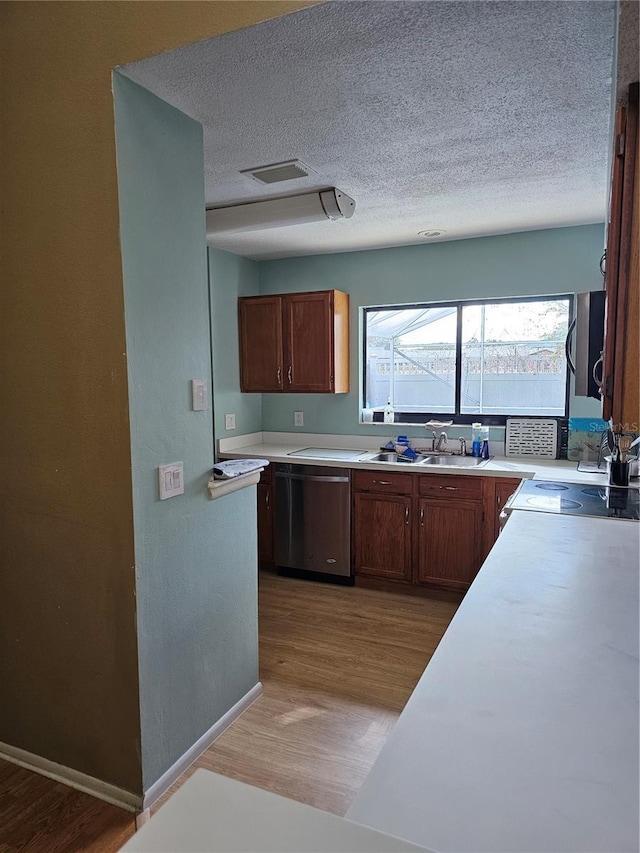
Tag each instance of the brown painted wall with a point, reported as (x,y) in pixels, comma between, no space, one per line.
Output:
(68,655)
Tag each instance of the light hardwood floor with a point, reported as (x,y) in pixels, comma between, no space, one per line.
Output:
(337,664)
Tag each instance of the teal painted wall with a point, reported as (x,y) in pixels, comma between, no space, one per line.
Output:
(231,276)
(562,260)
(196,574)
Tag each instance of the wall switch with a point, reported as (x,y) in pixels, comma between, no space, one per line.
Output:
(171,480)
(199,394)
(229,421)
(298,418)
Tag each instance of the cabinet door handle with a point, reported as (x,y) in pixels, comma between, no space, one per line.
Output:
(406,515)
(279,375)
(267,499)
(599,382)
(421,516)
(498,500)
(289,374)
(383,482)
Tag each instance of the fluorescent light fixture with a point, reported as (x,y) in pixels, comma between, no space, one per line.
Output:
(314,206)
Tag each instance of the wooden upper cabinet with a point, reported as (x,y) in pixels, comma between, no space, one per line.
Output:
(621,386)
(260,326)
(309,342)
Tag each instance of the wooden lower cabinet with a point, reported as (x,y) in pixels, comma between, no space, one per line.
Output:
(425,530)
(265,517)
(449,542)
(503,489)
(382,531)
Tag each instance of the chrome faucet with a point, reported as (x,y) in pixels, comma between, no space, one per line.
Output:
(463,446)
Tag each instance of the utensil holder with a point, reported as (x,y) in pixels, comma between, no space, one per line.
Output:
(619,473)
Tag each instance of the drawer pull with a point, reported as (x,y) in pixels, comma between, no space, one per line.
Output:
(383,482)
(449,488)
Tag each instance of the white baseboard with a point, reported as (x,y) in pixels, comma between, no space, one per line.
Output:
(194,752)
(74,778)
(119,796)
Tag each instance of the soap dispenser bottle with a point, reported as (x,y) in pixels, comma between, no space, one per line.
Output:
(388,414)
(476,439)
(484,447)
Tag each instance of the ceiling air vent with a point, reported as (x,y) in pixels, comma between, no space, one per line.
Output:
(277,172)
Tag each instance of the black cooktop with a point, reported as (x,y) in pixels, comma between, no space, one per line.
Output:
(575,499)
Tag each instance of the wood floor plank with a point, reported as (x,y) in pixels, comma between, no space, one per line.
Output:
(337,664)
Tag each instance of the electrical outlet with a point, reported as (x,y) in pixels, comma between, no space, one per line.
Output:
(298,418)
(229,421)
(171,480)
(199,395)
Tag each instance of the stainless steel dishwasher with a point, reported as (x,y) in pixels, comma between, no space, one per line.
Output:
(313,521)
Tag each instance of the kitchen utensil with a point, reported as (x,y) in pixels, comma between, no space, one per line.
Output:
(618,473)
(634,443)
(632,463)
(624,443)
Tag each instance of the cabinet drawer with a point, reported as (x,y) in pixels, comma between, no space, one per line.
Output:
(469,488)
(383,481)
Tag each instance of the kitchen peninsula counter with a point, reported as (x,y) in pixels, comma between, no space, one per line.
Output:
(522,734)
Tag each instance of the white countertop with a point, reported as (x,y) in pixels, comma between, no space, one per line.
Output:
(214,813)
(522,734)
(277,448)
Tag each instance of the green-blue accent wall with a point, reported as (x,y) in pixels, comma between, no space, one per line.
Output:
(560,260)
(231,276)
(196,559)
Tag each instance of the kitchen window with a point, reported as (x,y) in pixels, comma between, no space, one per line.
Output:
(460,360)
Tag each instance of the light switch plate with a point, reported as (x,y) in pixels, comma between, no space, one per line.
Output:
(171,480)
(298,418)
(229,421)
(199,395)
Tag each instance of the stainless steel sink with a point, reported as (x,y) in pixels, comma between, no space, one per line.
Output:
(454,461)
(390,456)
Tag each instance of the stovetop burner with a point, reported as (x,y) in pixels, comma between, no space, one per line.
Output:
(552,504)
(575,499)
(596,492)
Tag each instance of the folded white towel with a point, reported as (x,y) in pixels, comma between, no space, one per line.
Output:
(236,467)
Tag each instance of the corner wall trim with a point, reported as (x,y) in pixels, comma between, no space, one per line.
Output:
(204,742)
(74,778)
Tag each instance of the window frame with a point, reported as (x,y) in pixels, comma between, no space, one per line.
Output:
(457,416)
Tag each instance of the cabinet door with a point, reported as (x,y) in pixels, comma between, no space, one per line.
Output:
(308,341)
(449,542)
(621,400)
(265,524)
(260,332)
(503,491)
(382,533)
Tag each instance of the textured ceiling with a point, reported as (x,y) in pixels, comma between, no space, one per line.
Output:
(473,117)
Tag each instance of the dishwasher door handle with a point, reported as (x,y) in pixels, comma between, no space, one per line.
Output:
(312,478)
